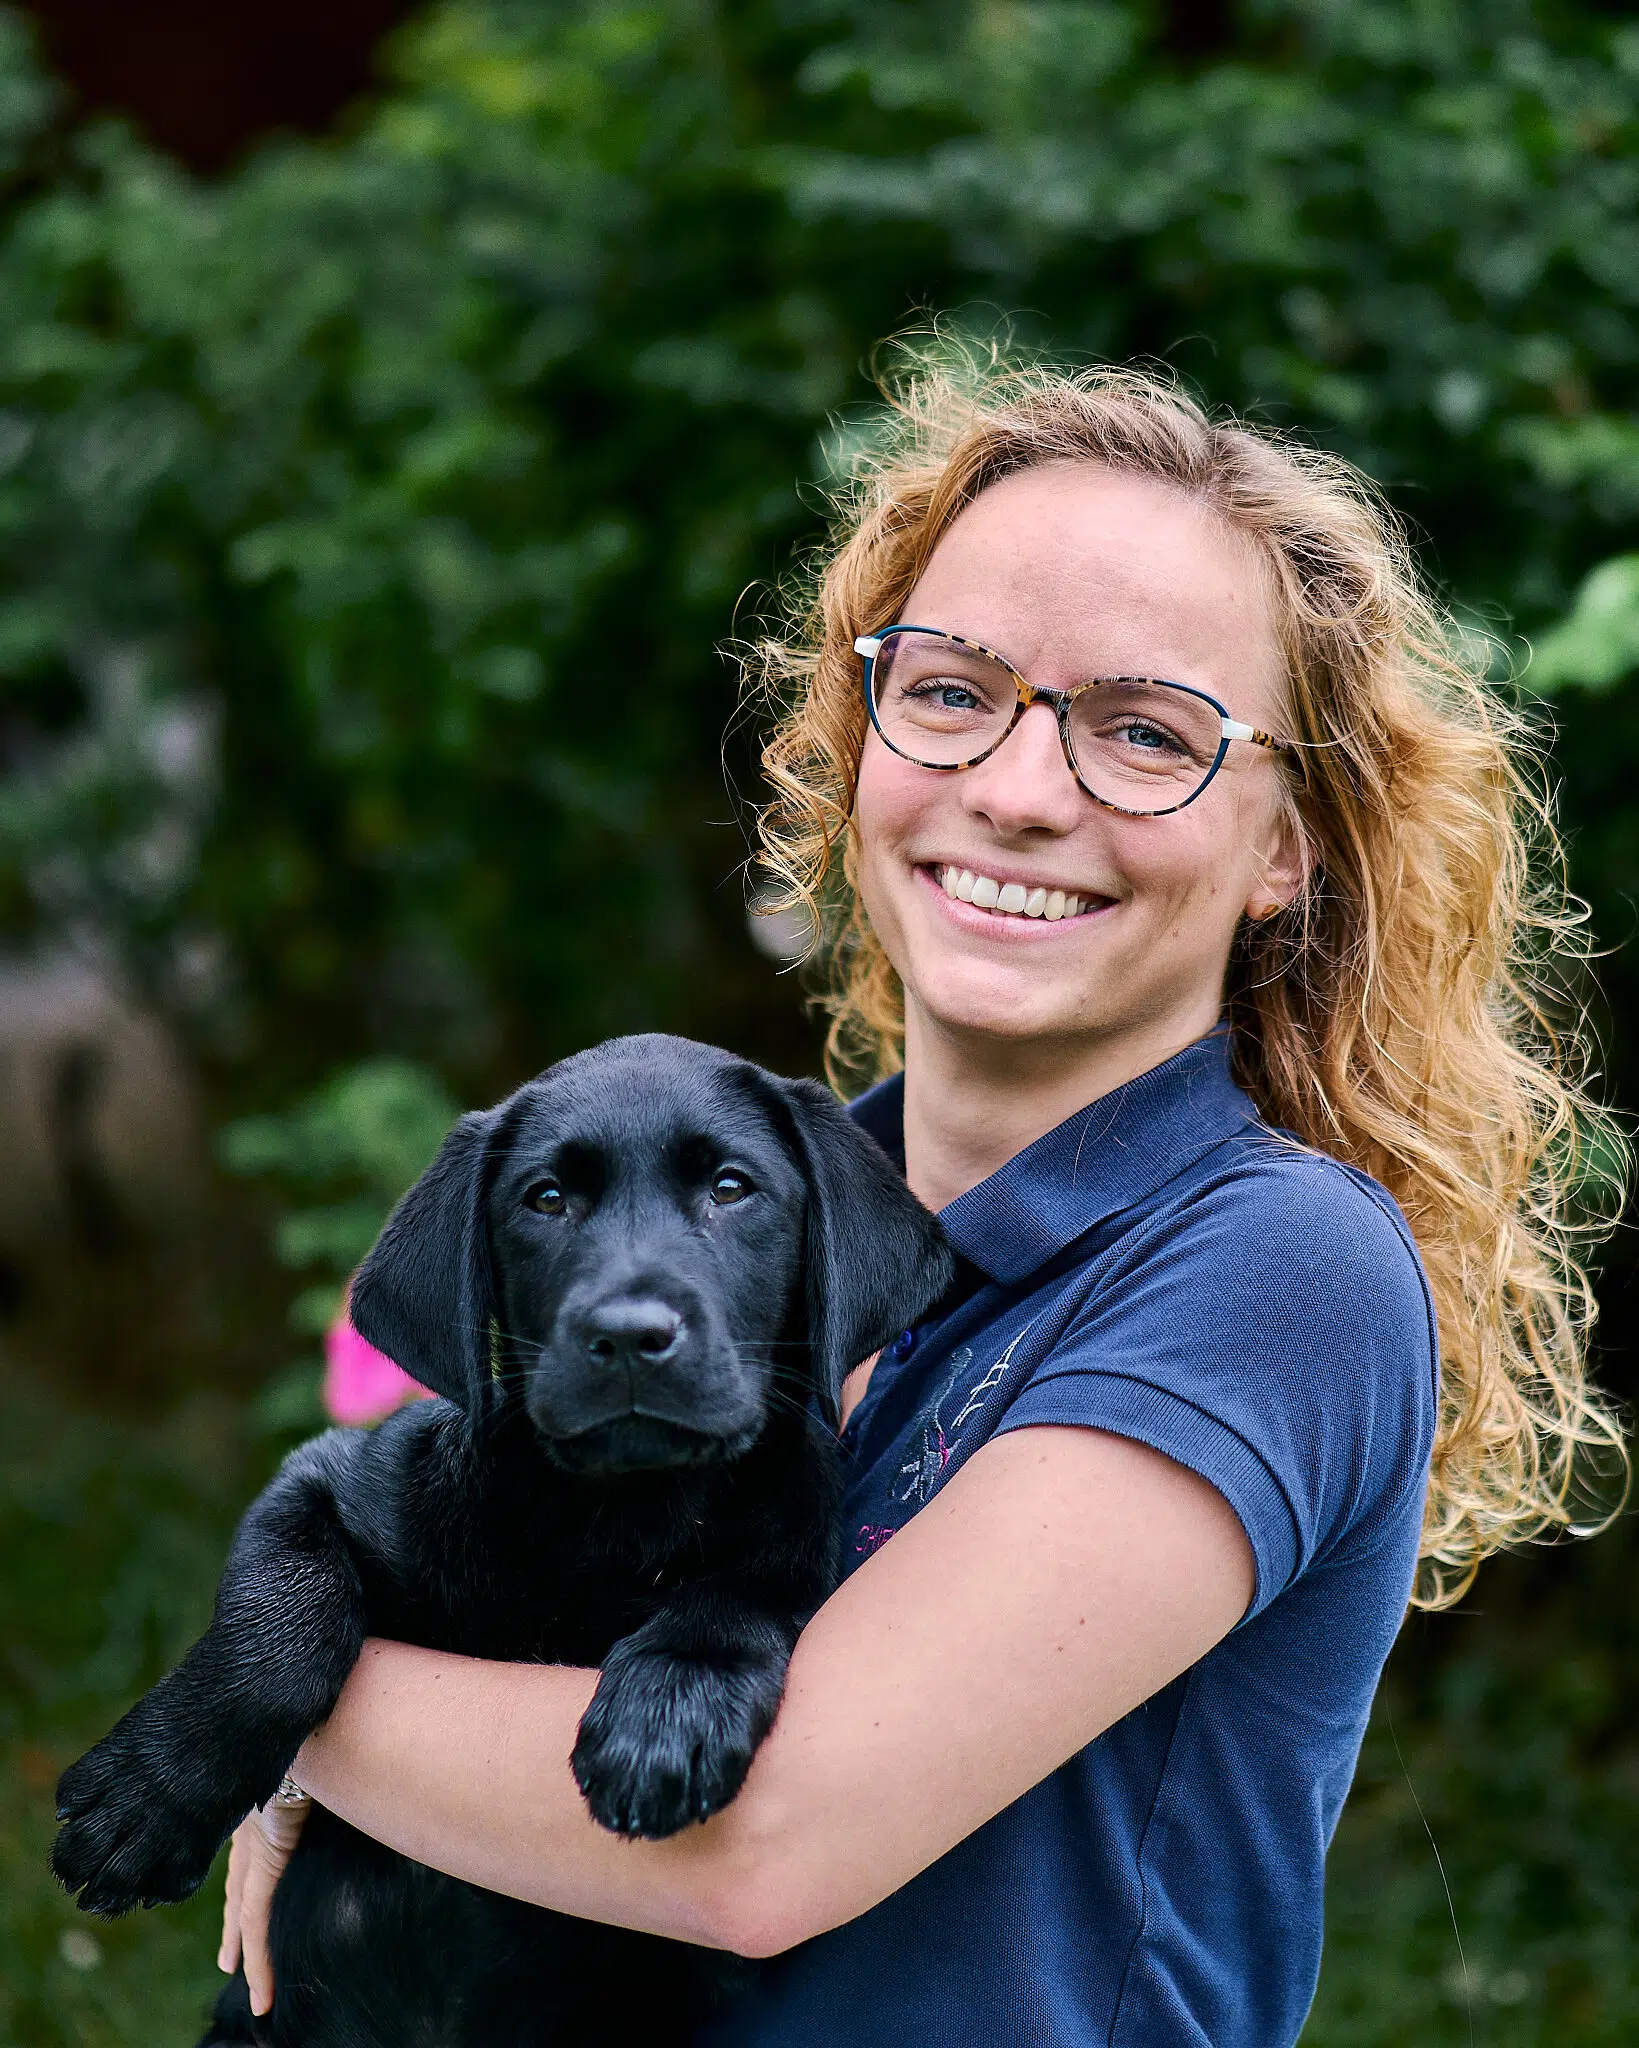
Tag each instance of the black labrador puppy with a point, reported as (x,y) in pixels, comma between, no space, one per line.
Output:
(637,1285)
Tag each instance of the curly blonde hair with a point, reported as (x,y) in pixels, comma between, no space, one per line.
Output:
(1412,1013)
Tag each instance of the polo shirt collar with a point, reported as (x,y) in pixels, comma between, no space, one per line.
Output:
(1105,1158)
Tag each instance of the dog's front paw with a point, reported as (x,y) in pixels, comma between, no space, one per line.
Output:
(668,1740)
(127,1839)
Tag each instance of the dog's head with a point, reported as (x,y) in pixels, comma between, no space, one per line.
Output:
(654,1240)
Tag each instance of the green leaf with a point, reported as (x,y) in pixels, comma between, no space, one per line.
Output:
(1597,643)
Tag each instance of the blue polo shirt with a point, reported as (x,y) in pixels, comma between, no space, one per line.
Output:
(1165,1266)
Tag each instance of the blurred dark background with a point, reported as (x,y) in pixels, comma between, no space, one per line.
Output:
(399,411)
(204,82)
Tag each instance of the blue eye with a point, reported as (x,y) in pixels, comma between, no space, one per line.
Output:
(1150,739)
(949,696)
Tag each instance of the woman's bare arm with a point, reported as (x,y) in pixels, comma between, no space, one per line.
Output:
(1061,1578)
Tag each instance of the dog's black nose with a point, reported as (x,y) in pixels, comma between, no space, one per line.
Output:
(641,1332)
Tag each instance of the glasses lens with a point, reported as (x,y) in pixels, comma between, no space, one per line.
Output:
(1143,746)
(938,702)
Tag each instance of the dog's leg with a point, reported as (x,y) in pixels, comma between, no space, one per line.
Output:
(680,1708)
(233,2025)
(146,1810)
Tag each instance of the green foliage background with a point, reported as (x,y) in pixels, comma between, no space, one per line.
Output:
(369,523)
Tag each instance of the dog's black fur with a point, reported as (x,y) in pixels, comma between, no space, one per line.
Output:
(637,1285)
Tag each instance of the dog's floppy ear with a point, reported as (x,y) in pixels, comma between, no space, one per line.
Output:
(424,1295)
(876,1257)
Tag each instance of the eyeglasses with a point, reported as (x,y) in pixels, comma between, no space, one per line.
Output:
(1135,744)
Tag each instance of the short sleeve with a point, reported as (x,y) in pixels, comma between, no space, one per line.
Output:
(1275,1336)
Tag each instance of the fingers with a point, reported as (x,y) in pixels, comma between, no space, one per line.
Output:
(263,1844)
(261,1875)
(227,1955)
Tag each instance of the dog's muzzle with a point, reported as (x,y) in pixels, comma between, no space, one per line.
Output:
(636,1381)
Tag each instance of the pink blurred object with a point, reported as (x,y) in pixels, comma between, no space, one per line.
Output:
(362,1384)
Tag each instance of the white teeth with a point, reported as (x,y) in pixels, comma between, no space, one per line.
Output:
(1012,899)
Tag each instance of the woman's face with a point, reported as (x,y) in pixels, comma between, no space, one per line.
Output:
(1070,572)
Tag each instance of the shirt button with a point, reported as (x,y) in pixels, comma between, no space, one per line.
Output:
(903,1345)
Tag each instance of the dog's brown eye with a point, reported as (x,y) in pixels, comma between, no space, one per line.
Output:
(548,1198)
(729,1186)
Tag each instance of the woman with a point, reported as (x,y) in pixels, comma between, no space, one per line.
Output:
(1188,976)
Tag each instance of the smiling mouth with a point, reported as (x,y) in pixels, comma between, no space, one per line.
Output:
(1013,899)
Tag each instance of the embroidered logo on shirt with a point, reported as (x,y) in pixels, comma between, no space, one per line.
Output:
(959,1400)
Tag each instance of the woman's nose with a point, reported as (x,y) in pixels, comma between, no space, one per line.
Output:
(1026,785)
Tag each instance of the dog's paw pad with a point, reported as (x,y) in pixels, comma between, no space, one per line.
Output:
(646,1802)
(665,1743)
(123,1843)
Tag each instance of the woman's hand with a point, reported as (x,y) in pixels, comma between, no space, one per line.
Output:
(262,1845)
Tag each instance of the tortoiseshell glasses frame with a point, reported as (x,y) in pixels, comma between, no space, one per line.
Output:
(869,647)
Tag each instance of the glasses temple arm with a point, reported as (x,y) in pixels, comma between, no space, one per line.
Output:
(1235,730)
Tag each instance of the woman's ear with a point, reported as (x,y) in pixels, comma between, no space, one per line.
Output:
(1283,866)
(424,1294)
(875,1258)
